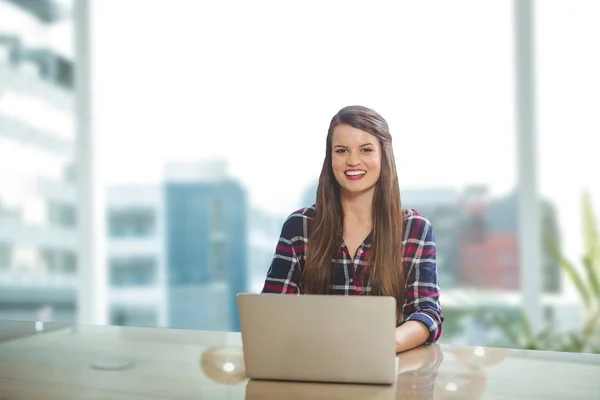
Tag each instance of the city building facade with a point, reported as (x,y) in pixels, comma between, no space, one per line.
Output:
(178,250)
(38,207)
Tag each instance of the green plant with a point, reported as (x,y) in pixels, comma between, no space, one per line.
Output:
(586,281)
(517,331)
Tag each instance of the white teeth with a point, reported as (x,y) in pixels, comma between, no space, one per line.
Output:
(355,173)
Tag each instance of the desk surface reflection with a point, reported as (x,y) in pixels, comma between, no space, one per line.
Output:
(53,361)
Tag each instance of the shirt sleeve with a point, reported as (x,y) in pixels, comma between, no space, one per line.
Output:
(422,287)
(284,273)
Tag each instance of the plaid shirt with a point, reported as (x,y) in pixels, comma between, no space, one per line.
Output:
(422,285)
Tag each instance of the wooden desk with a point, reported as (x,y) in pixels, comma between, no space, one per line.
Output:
(47,361)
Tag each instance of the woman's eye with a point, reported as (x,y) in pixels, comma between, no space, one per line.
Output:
(340,151)
(367,150)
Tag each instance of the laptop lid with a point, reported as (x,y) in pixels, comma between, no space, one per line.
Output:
(319,338)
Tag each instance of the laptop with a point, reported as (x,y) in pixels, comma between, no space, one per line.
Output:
(319,338)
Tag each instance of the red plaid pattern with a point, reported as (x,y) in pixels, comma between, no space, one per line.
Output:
(350,275)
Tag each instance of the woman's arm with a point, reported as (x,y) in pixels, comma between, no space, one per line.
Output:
(284,272)
(422,311)
(410,334)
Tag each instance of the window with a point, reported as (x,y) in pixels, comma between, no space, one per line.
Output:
(133,271)
(62,215)
(59,262)
(134,222)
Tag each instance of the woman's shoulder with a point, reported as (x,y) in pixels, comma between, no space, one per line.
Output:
(294,223)
(302,213)
(415,222)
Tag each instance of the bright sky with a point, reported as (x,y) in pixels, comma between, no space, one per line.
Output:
(258,81)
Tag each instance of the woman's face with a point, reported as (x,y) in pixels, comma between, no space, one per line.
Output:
(356,159)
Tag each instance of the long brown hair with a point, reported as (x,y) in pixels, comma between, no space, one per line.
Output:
(385,267)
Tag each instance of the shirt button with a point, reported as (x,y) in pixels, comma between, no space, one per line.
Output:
(360,251)
(351,280)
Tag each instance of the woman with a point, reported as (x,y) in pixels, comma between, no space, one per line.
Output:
(357,239)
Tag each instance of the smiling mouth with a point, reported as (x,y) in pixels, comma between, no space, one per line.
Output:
(355,174)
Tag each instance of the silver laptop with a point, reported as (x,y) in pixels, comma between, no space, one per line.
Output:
(319,338)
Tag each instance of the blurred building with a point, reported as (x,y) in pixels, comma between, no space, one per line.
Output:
(207,240)
(38,214)
(489,243)
(178,251)
(136,255)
